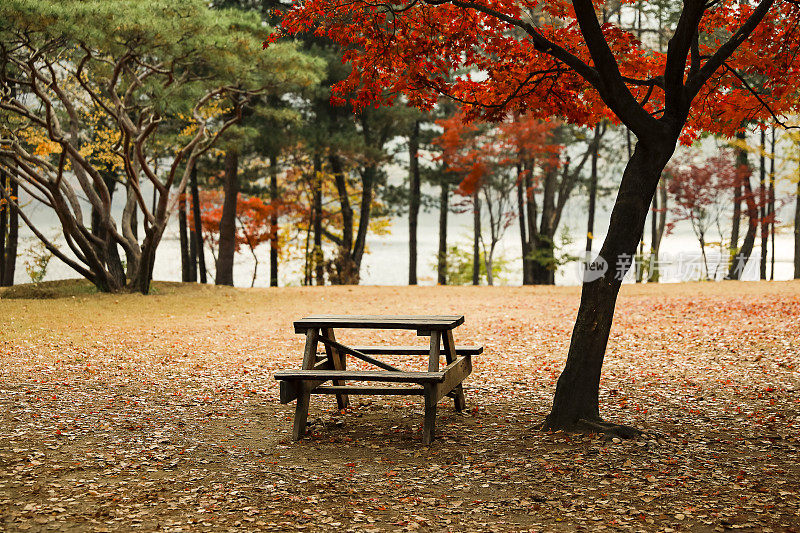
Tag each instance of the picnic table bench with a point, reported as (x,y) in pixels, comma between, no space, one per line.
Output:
(433,385)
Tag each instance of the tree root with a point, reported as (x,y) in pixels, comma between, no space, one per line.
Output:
(608,429)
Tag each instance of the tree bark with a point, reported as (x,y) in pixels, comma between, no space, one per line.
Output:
(5,208)
(771,207)
(319,263)
(441,264)
(576,399)
(413,203)
(526,273)
(273,196)
(11,243)
(592,197)
(198,227)
(184,240)
(762,195)
(797,233)
(227,223)
(743,256)
(476,235)
(741,159)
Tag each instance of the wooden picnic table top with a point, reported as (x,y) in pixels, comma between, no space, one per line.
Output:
(417,322)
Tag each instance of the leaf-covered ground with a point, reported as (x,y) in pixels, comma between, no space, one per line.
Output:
(161,413)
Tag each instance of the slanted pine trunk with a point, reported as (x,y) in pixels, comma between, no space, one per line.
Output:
(227,223)
(413,203)
(441,263)
(576,404)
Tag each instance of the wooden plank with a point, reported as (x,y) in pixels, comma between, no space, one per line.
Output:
(450,351)
(417,322)
(454,373)
(413,350)
(338,362)
(388,391)
(361,375)
(433,355)
(291,390)
(357,354)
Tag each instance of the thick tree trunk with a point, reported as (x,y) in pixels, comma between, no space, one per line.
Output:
(273,196)
(476,237)
(413,203)
(184,241)
(227,223)
(741,160)
(441,263)
(576,401)
(198,227)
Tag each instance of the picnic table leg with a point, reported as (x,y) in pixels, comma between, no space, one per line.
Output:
(309,360)
(450,354)
(300,416)
(339,362)
(429,430)
(433,358)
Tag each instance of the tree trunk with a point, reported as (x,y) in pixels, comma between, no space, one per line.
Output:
(741,160)
(576,400)
(198,227)
(592,198)
(543,267)
(227,223)
(11,243)
(762,196)
(476,229)
(771,206)
(319,263)
(273,196)
(441,263)
(743,256)
(5,208)
(413,204)
(184,240)
(797,233)
(526,273)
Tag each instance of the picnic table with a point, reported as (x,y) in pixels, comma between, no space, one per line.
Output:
(319,368)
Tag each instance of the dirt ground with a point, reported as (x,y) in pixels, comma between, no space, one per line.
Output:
(134,413)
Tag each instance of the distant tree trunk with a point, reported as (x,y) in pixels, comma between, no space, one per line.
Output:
(319,263)
(762,195)
(592,198)
(526,271)
(5,207)
(9,221)
(741,159)
(441,263)
(797,233)
(743,256)
(476,229)
(659,232)
(771,209)
(184,241)
(414,200)
(273,196)
(198,227)
(227,223)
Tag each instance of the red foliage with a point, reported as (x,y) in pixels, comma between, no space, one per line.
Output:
(425,49)
(253,215)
